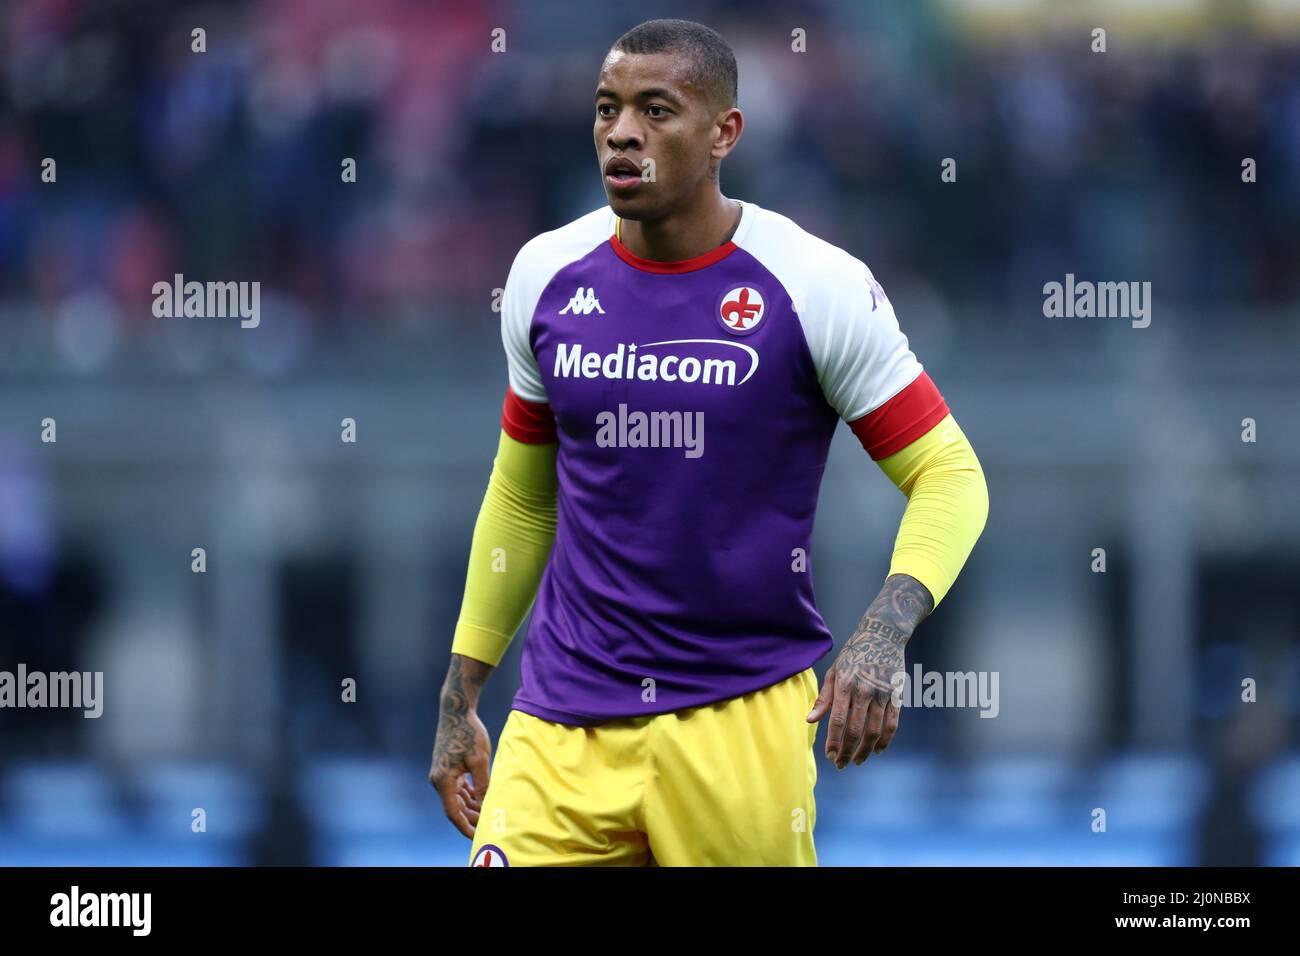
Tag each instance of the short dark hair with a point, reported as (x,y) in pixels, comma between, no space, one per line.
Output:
(713,65)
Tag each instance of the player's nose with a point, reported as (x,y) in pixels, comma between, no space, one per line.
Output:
(624,134)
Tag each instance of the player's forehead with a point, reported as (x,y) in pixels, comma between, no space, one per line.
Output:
(631,75)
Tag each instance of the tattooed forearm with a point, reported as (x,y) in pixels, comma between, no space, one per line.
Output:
(859,689)
(892,617)
(456,733)
(874,654)
(465,679)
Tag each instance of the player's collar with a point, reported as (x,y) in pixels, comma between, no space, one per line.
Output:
(692,264)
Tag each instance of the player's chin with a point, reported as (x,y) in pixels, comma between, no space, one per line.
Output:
(633,205)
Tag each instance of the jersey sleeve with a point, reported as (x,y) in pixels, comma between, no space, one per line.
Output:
(532,423)
(526,415)
(868,373)
(517,304)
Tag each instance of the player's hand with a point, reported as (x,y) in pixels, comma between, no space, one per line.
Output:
(858,692)
(462,753)
(462,749)
(860,689)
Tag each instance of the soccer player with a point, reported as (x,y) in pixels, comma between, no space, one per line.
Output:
(678,362)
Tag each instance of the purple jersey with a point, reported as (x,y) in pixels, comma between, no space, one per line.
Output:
(694,404)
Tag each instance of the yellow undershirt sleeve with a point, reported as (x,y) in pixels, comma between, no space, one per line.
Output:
(512,543)
(947,506)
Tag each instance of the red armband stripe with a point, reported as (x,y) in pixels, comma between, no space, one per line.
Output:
(532,423)
(901,420)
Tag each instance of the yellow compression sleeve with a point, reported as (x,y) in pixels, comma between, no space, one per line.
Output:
(511,545)
(947,506)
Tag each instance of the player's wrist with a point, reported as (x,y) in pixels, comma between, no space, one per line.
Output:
(464,683)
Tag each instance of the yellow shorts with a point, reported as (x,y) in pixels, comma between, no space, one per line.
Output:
(726,784)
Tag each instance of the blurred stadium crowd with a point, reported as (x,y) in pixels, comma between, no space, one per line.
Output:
(227,163)
(223,692)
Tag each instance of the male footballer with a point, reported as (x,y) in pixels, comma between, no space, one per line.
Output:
(678,363)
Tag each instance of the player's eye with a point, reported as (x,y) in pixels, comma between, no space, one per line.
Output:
(663,111)
(601,107)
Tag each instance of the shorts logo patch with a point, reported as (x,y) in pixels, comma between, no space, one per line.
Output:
(489,855)
(741,310)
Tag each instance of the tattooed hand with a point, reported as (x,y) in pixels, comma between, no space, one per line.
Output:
(858,689)
(462,749)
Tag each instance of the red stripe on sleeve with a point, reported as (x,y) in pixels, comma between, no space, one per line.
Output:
(532,423)
(901,420)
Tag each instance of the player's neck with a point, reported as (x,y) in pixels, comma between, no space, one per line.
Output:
(686,234)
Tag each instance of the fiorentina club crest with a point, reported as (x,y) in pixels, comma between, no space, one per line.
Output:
(489,855)
(741,310)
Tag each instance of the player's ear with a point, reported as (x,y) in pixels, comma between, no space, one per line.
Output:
(728,124)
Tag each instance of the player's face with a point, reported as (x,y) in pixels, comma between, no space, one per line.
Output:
(647,109)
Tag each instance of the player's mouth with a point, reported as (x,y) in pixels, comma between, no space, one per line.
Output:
(622,174)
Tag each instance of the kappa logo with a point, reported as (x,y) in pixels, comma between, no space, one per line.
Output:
(489,855)
(877,293)
(741,310)
(584,302)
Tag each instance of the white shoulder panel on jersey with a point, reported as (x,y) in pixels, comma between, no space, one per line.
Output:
(861,355)
(534,267)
